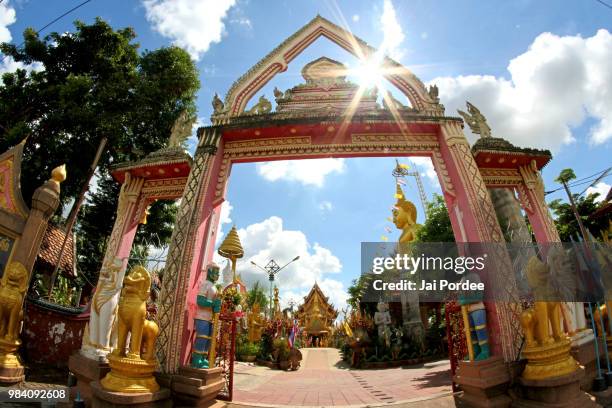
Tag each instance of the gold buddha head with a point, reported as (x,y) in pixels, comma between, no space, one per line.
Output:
(404,212)
(256,308)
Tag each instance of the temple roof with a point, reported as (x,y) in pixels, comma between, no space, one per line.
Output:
(162,163)
(316,292)
(498,152)
(50,249)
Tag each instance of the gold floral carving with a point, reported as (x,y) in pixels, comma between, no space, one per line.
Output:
(288,147)
(500,177)
(162,189)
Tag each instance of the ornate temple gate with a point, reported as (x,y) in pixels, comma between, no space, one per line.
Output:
(294,132)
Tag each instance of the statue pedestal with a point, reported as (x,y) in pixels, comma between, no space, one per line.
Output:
(558,392)
(130,375)
(11,370)
(197,387)
(548,361)
(583,352)
(86,370)
(110,399)
(484,383)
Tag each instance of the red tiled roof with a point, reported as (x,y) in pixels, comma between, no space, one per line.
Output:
(50,249)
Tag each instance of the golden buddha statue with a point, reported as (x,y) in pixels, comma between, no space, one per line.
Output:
(404,217)
(13,286)
(132,366)
(547,349)
(256,324)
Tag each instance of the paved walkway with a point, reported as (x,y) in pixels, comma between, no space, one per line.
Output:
(324,380)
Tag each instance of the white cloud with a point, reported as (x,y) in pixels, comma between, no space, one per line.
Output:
(242,21)
(326,206)
(393,35)
(191,24)
(269,240)
(355,18)
(224,218)
(425,167)
(8,64)
(601,188)
(553,87)
(308,172)
(7,17)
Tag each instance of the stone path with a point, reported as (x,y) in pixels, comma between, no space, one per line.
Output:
(324,380)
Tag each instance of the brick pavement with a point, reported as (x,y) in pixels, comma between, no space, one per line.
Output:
(323,380)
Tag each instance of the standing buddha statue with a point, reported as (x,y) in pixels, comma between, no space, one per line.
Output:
(404,218)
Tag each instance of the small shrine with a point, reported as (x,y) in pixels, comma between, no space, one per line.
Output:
(317,316)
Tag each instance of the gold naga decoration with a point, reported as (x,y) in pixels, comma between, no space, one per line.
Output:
(548,354)
(12,291)
(476,120)
(132,365)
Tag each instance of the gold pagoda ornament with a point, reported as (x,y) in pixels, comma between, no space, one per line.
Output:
(231,248)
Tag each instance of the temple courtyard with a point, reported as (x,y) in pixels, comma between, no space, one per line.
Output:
(325,380)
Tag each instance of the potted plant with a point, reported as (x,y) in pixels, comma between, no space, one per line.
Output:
(251,351)
(281,347)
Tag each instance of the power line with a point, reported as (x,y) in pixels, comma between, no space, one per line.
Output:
(604,3)
(581,181)
(52,21)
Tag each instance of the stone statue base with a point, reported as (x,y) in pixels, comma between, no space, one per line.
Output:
(86,370)
(11,370)
(551,360)
(197,387)
(559,392)
(129,375)
(584,353)
(109,399)
(484,383)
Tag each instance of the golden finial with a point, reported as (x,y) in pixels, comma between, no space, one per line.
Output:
(231,247)
(58,174)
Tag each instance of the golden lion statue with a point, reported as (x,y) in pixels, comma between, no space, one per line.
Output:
(132,317)
(12,290)
(535,321)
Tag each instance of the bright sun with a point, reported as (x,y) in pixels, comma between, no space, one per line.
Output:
(369,73)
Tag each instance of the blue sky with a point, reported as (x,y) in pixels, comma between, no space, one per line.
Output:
(539,70)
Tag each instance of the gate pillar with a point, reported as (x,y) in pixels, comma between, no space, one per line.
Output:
(474,220)
(191,245)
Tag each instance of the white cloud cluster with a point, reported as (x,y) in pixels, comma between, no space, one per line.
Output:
(8,64)
(601,188)
(191,24)
(393,35)
(269,240)
(553,87)
(308,172)
(7,17)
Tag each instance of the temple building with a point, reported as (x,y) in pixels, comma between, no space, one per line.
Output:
(317,317)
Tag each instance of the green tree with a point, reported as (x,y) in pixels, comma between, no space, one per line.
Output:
(94,84)
(566,222)
(437,226)
(257,295)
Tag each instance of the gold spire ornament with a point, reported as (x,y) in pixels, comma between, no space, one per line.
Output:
(58,174)
(231,248)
